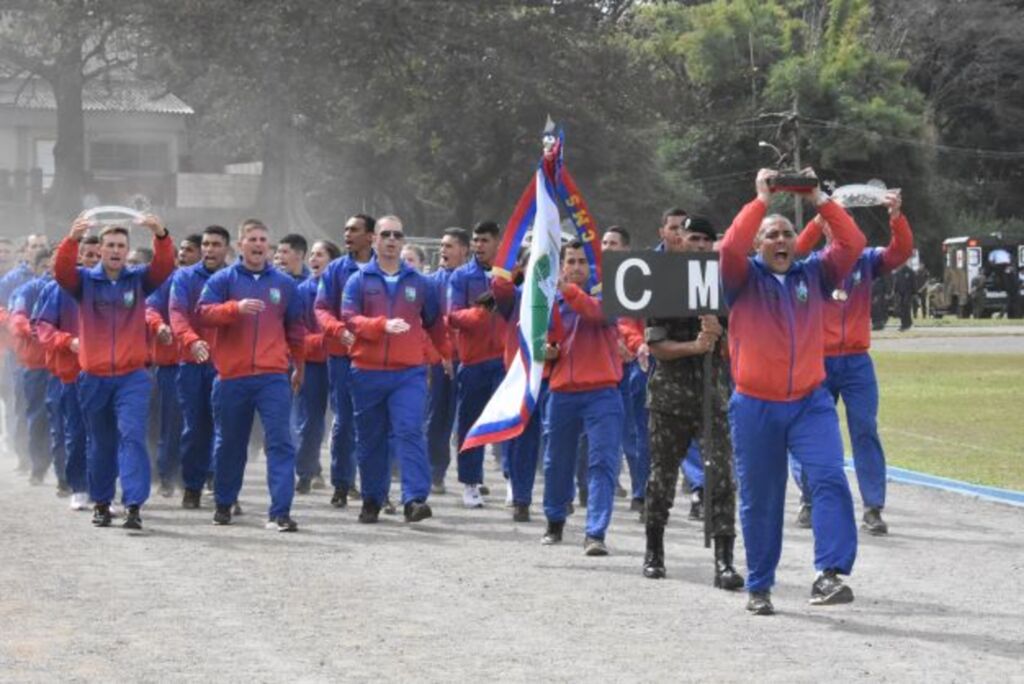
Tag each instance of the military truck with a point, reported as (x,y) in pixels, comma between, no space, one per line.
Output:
(970,281)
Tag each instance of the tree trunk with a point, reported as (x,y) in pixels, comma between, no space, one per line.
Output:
(69,150)
(273,182)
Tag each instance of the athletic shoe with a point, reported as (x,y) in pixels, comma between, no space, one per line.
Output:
(803,518)
(79,501)
(437,488)
(636,505)
(318,483)
(132,519)
(416,511)
(829,590)
(101,516)
(873,523)
(484,490)
(340,497)
(592,546)
(553,535)
(166,489)
(521,513)
(190,499)
(282,523)
(760,603)
(303,485)
(222,516)
(509,502)
(471,497)
(697,505)
(370,512)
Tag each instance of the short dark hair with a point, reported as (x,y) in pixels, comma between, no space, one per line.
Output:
(459,234)
(296,242)
(669,213)
(367,220)
(91,240)
(194,239)
(332,249)
(571,244)
(219,231)
(487,228)
(621,232)
(145,254)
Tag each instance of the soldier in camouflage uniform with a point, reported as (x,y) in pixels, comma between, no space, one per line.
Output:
(674,399)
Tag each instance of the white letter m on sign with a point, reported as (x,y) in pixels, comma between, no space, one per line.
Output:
(703,285)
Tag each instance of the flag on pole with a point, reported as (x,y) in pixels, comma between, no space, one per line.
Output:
(510,407)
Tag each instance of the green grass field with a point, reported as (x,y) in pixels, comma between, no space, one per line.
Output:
(953,415)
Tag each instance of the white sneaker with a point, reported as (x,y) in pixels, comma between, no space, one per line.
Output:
(508,494)
(471,497)
(79,501)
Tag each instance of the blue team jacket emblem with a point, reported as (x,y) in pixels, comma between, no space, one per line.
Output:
(275,295)
(410,293)
(801,291)
(128,298)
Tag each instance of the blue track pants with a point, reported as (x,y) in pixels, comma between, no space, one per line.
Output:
(388,411)
(598,414)
(235,403)
(343,458)
(440,421)
(115,410)
(474,385)
(75,466)
(195,390)
(311,414)
(808,428)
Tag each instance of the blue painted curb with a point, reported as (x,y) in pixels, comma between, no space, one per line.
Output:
(1006,496)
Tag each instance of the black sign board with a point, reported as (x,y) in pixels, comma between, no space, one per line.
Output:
(661,284)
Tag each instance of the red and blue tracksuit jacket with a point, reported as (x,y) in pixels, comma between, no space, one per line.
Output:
(247,344)
(112,314)
(11,281)
(157,314)
(328,301)
(588,344)
(776,338)
(369,300)
(315,346)
(186,286)
(31,354)
(56,321)
(848,322)
(481,333)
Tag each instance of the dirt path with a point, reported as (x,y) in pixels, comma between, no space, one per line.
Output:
(471,595)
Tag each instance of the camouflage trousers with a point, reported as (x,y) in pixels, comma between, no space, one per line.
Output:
(670,436)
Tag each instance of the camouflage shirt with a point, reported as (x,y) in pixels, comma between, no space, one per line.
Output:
(675,386)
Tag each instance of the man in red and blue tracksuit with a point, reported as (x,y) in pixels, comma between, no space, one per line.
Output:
(389,306)
(56,322)
(35,374)
(167,356)
(196,372)
(358,238)
(260,334)
(480,340)
(442,401)
(114,387)
(849,372)
(780,404)
(584,400)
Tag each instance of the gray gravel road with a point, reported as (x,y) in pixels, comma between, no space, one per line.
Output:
(469,595)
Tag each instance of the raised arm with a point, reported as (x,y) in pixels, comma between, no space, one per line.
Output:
(901,244)
(163,255)
(810,236)
(739,238)
(65,263)
(587,306)
(846,244)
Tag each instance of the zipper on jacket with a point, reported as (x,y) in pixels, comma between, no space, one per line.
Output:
(790,320)
(113,332)
(391,303)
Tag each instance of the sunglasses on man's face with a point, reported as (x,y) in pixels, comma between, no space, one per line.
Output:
(396,234)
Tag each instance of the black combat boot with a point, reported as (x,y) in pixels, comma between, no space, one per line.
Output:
(654,559)
(726,576)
